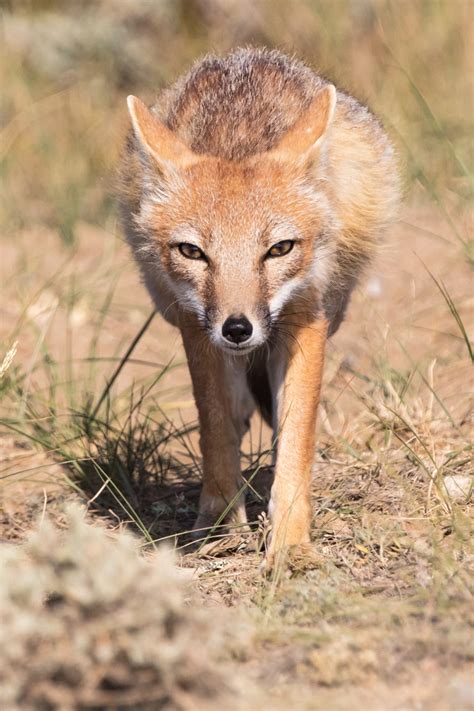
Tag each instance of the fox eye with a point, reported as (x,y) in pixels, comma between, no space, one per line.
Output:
(190,251)
(280,248)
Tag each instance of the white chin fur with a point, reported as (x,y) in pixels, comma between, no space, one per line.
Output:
(238,350)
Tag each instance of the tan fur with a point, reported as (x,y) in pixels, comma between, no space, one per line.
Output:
(297,407)
(220,431)
(246,152)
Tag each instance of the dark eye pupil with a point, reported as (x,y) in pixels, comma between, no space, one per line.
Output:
(281,248)
(190,251)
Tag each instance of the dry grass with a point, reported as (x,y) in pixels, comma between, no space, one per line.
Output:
(96,405)
(72,607)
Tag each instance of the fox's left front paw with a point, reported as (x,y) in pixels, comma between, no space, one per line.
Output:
(289,537)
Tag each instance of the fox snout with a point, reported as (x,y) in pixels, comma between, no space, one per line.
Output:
(237,329)
(239,333)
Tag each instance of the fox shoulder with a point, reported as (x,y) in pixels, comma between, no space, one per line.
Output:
(238,105)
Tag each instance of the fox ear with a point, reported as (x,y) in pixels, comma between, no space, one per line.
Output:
(156,139)
(304,139)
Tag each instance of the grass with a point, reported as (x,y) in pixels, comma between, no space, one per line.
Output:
(95,400)
(94,643)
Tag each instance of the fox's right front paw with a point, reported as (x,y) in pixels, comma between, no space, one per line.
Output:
(216,515)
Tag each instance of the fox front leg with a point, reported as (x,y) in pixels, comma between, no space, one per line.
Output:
(221,429)
(297,381)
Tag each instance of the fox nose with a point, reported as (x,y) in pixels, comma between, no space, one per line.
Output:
(237,329)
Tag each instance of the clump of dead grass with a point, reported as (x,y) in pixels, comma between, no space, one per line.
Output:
(87,622)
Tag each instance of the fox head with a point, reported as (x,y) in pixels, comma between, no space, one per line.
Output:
(235,240)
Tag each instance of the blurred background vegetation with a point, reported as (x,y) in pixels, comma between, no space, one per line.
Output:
(67,65)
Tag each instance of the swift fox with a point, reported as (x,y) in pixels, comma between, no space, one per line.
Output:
(253,194)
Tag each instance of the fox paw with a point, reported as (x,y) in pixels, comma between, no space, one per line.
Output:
(286,543)
(215,515)
(292,559)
